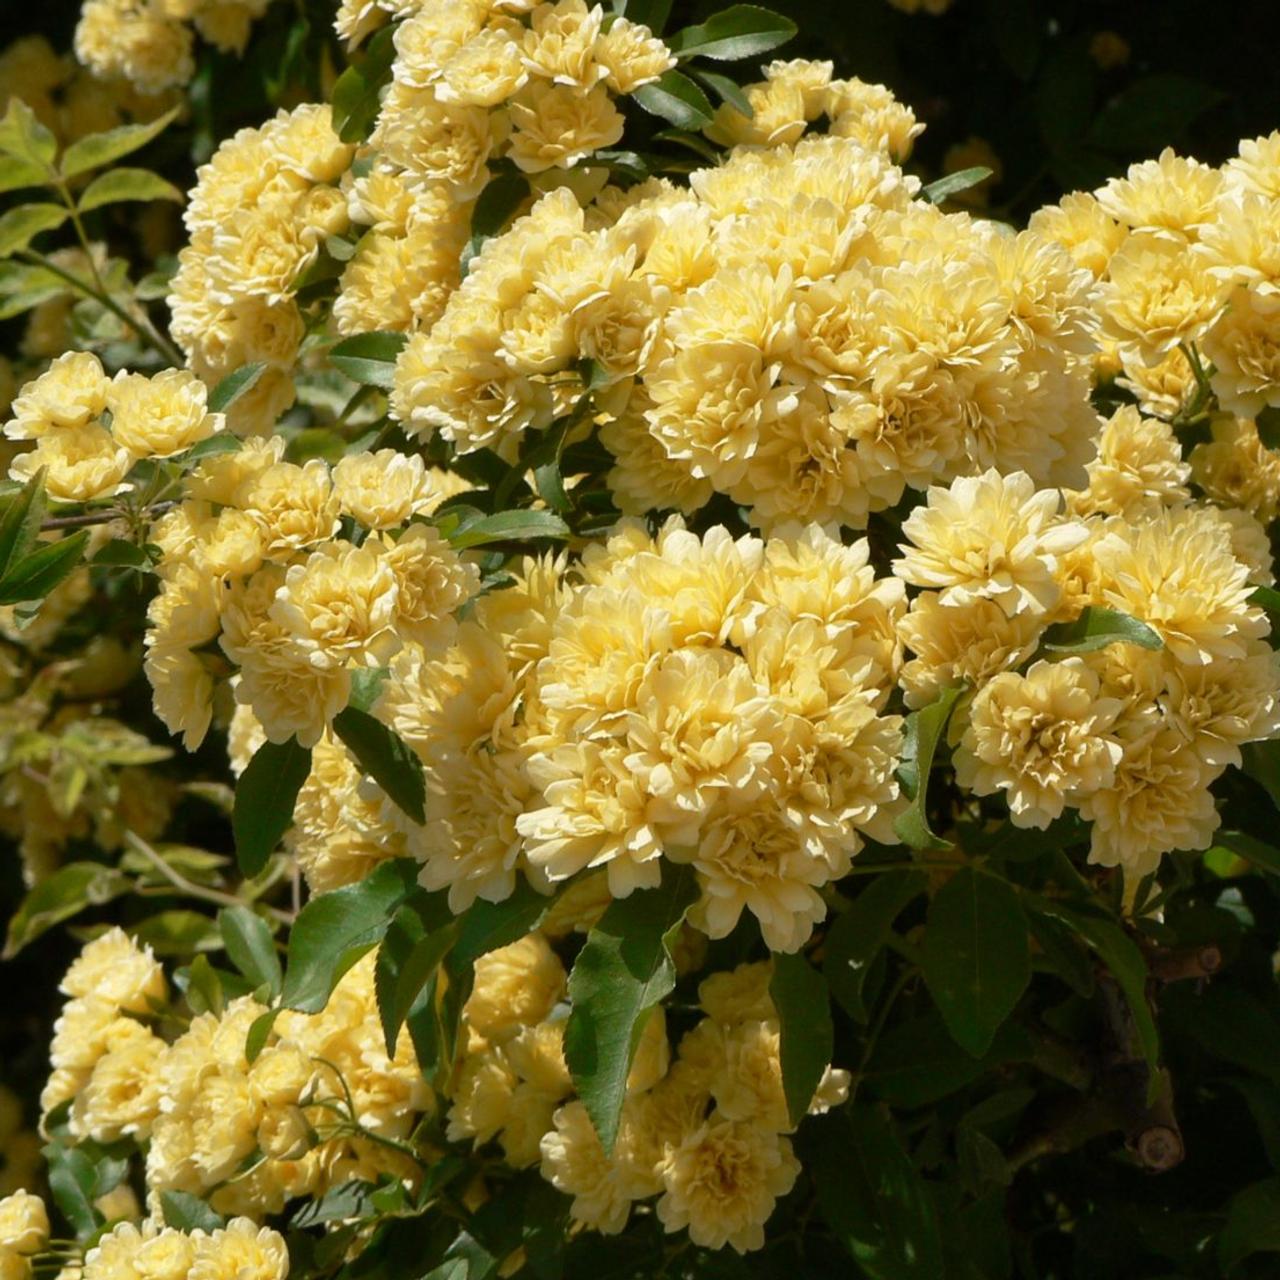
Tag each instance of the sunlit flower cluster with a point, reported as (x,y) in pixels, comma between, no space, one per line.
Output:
(794,331)
(707,700)
(253,559)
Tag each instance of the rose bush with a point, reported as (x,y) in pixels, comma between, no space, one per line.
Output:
(604,674)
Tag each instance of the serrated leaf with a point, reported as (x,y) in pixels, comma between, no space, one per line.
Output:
(622,973)
(24,137)
(677,99)
(265,795)
(976,956)
(924,729)
(251,947)
(386,758)
(857,936)
(741,31)
(953,183)
(357,91)
(20,521)
(369,358)
(871,1196)
(58,897)
(184,1212)
(120,185)
(102,148)
(335,929)
(35,575)
(509,526)
(231,388)
(1096,628)
(20,226)
(807,1034)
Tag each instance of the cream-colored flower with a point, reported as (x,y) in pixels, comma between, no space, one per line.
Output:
(1244,346)
(631,55)
(515,987)
(1172,193)
(1139,465)
(1043,739)
(121,1098)
(24,1223)
(557,126)
(114,968)
(1237,470)
(989,536)
(240,1251)
(159,416)
(81,463)
(722,1182)
(71,392)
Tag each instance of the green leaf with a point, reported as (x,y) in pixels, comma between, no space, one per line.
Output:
(335,929)
(1096,628)
(1253,1224)
(807,1035)
(924,728)
(494,208)
(871,1196)
(741,31)
(20,226)
(411,951)
(487,926)
(16,174)
(259,1033)
(58,897)
(230,389)
(33,577)
(651,13)
(385,757)
(953,183)
(1251,849)
(120,553)
(357,91)
(20,521)
(366,687)
(265,795)
(184,1212)
(102,148)
(178,933)
(727,90)
(251,947)
(201,986)
(1267,598)
(73,1182)
(857,936)
(1152,113)
(24,137)
(621,974)
(1124,960)
(369,358)
(120,185)
(509,526)
(675,98)
(1063,952)
(976,956)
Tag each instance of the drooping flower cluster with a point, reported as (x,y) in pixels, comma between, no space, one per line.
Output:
(320,1103)
(707,700)
(259,212)
(794,331)
(1131,736)
(254,560)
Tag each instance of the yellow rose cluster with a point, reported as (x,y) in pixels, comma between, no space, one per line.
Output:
(1186,255)
(793,330)
(239,1251)
(89,430)
(259,212)
(1130,736)
(254,560)
(473,83)
(321,1103)
(149,42)
(709,700)
(704,1129)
